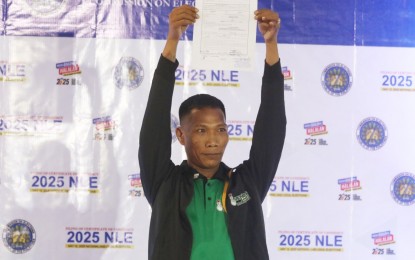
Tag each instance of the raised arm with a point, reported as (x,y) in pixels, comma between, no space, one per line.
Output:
(269,24)
(155,136)
(269,132)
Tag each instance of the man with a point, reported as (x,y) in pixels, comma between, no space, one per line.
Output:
(202,209)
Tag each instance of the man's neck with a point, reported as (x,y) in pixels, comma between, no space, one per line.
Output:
(208,173)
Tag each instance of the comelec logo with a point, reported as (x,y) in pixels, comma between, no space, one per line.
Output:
(128,73)
(336,79)
(19,236)
(372,133)
(403,189)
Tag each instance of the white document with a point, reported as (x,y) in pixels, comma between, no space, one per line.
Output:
(224,35)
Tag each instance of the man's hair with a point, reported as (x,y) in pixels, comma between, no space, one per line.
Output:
(200,101)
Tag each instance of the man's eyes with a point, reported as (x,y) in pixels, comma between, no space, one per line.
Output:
(203,130)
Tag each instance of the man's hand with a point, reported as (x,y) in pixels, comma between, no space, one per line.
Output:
(268,24)
(179,19)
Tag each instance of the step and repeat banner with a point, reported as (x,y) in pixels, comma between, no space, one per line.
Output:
(74,81)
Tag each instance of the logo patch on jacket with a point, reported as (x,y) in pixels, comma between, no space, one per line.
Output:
(240,199)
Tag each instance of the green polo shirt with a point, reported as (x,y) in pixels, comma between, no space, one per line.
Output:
(209,221)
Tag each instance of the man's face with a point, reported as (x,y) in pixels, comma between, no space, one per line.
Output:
(204,135)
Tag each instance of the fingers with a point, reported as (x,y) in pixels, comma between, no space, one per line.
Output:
(179,19)
(268,24)
(183,16)
(267,18)
(266,15)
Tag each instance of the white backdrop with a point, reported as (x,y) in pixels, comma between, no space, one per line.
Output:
(71,111)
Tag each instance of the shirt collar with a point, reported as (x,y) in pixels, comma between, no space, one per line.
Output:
(221,173)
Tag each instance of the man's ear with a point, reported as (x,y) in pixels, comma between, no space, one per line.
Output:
(180,135)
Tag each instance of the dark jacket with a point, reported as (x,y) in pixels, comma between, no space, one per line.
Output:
(169,188)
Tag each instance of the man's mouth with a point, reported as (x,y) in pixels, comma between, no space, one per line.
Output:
(212,154)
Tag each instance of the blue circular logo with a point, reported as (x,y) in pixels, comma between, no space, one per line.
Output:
(128,73)
(403,189)
(19,236)
(372,133)
(174,123)
(336,79)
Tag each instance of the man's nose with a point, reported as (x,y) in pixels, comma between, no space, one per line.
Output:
(212,139)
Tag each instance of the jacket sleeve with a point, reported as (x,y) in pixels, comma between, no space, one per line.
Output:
(155,137)
(269,132)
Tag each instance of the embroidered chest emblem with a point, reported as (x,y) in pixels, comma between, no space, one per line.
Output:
(239,199)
